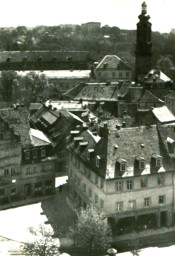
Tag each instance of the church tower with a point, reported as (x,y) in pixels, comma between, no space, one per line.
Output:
(143,51)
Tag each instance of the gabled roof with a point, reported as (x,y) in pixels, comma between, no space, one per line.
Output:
(38,138)
(112,62)
(156,76)
(150,98)
(163,114)
(94,92)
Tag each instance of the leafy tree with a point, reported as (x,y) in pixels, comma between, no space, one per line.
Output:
(91,230)
(7,81)
(43,244)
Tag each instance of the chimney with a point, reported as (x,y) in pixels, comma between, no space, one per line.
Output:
(124,124)
(118,126)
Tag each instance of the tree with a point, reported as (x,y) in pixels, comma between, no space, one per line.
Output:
(7,81)
(92,231)
(43,244)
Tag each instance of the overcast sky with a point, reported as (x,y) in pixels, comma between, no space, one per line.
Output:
(121,13)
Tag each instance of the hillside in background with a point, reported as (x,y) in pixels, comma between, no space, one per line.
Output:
(106,40)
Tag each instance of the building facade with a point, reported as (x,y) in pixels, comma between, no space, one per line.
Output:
(27,166)
(112,68)
(125,173)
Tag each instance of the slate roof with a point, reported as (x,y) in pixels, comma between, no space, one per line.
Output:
(46,56)
(18,120)
(112,62)
(94,92)
(113,145)
(163,114)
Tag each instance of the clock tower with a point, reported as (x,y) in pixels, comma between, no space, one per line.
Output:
(143,53)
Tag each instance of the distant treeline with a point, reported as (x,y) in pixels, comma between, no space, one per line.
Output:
(106,40)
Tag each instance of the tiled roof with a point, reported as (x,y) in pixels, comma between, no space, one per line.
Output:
(18,120)
(156,76)
(150,98)
(126,144)
(34,56)
(163,114)
(112,62)
(94,91)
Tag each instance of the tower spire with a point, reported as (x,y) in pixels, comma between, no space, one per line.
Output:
(143,51)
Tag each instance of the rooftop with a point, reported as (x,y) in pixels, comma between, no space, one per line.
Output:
(163,114)
(112,62)
(156,76)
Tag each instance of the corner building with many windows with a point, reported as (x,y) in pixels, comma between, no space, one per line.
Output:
(126,173)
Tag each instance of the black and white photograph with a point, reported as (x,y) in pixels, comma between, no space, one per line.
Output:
(87,128)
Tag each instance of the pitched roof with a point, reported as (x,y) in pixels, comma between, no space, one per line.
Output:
(38,138)
(167,134)
(150,98)
(18,120)
(112,62)
(60,74)
(129,141)
(163,114)
(156,76)
(46,56)
(93,92)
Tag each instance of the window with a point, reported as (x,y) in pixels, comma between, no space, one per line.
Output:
(28,171)
(129,184)
(123,167)
(98,161)
(160,181)
(6,171)
(101,183)
(119,185)
(2,192)
(34,153)
(119,206)
(43,152)
(127,74)
(96,199)
(88,174)
(143,183)
(1,136)
(162,199)
(132,204)
(12,170)
(141,164)
(90,192)
(158,162)
(147,201)
(101,203)
(120,74)
(13,191)
(27,155)
(113,74)
(38,186)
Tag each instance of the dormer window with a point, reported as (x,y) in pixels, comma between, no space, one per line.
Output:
(157,160)
(27,155)
(43,152)
(34,153)
(142,165)
(98,161)
(89,153)
(122,162)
